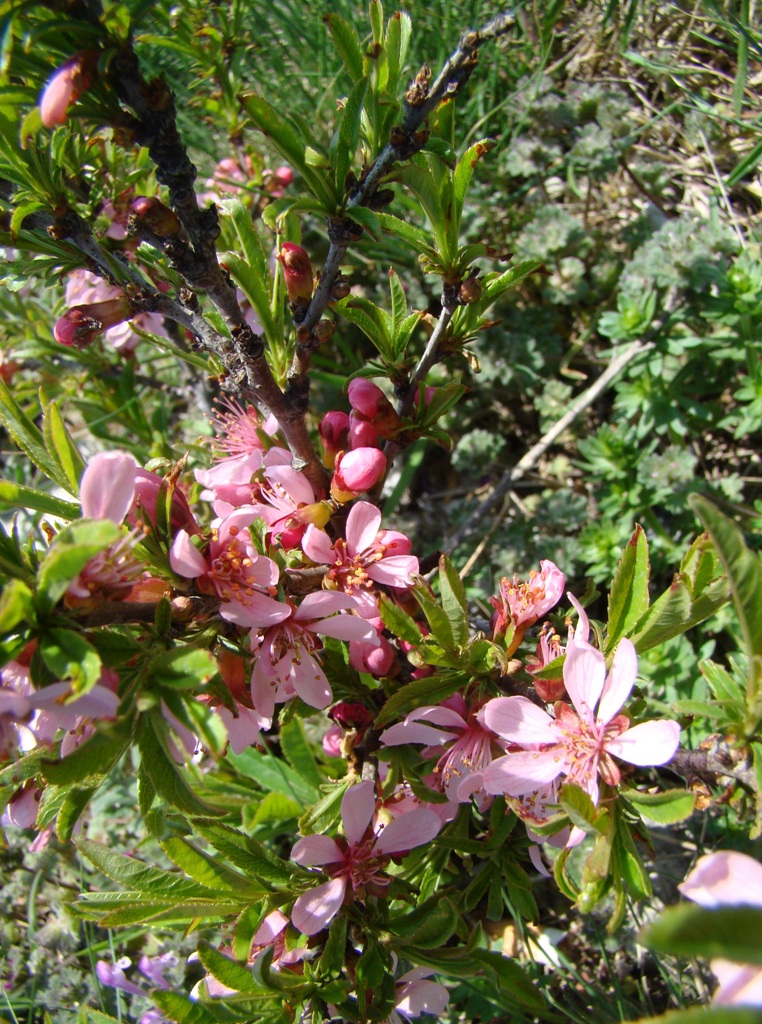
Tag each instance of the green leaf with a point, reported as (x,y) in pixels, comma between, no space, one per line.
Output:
(69,553)
(231,974)
(18,496)
(677,610)
(414,236)
(429,925)
(453,595)
(666,808)
(16,605)
(135,875)
(628,600)
(70,657)
(275,807)
(62,447)
(436,616)
(349,132)
(432,690)
(298,753)
(398,621)
(183,1010)
(347,44)
(744,571)
(92,760)
(205,870)
(290,144)
(462,179)
(515,986)
(251,856)
(707,1015)
(73,806)
(579,806)
(373,321)
(96,1017)
(325,813)
(29,438)
(273,774)
(183,668)
(163,771)
(496,286)
(729,933)
(627,864)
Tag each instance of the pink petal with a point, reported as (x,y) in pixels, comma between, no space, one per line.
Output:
(108,486)
(408,831)
(296,484)
(243,730)
(363,522)
(314,910)
(724,879)
(316,544)
(518,720)
(740,984)
(423,996)
(310,682)
(315,851)
(620,681)
(582,629)
(522,772)
(646,744)
(347,627)
(270,928)
(321,603)
(414,732)
(358,806)
(259,611)
(584,676)
(395,571)
(185,558)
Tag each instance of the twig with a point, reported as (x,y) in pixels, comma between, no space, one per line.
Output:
(420,101)
(535,453)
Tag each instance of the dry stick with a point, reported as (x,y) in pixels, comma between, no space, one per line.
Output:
(342,231)
(536,452)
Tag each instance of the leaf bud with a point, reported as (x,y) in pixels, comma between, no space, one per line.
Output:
(324,331)
(470,290)
(340,289)
(157,217)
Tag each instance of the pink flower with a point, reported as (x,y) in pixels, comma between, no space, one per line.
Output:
(297,270)
(368,556)
(415,994)
(356,864)
(285,655)
(233,569)
(66,86)
(729,879)
(523,603)
(356,472)
(579,743)
(148,488)
(465,741)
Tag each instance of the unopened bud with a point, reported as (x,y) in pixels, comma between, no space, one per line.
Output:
(157,217)
(370,403)
(340,289)
(325,330)
(334,433)
(470,290)
(81,325)
(356,472)
(362,433)
(283,175)
(66,86)
(297,271)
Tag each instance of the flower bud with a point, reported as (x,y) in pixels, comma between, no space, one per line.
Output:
(341,288)
(283,175)
(379,661)
(470,290)
(356,472)
(157,217)
(334,433)
(362,434)
(370,403)
(66,86)
(81,325)
(148,487)
(297,270)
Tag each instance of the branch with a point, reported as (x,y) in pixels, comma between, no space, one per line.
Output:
(420,100)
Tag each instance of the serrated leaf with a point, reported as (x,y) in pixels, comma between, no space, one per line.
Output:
(579,807)
(202,868)
(707,1015)
(439,623)
(514,984)
(298,753)
(18,496)
(453,595)
(231,974)
(349,132)
(666,808)
(275,807)
(432,690)
(730,933)
(163,771)
(62,447)
(347,44)
(183,667)
(626,863)
(498,286)
(676,611)
(251,856)
(414,236)
(16,606)
(93,759)
(73,806)
(429,925)
(183,1010)
(325,813)
(461,179)
(274,774)
(29,437)
(398,621)
(628,599)
(373,321)
(71,658)
(70,552)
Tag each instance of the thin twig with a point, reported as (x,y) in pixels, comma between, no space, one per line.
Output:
(535,453)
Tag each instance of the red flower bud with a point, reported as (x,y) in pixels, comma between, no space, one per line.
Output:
(81,325)
(67,85)
(356,472)
(351,715)
(297,270)
(156,216)
(362,434)
(370,403)
(470,290)
(147,490)
(283,175)
(334,433)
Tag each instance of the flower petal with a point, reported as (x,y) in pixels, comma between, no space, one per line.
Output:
(740,984)
(646,744)
(724,879)
(358,806)
(185,558)
(363,522)
(518,720)
(259,611)
(310,682)
(584,676)
(408,831)
(315,851)
(414,732)
(108,486)
(522,772)
(620,681)
(316,544)
(314,910)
